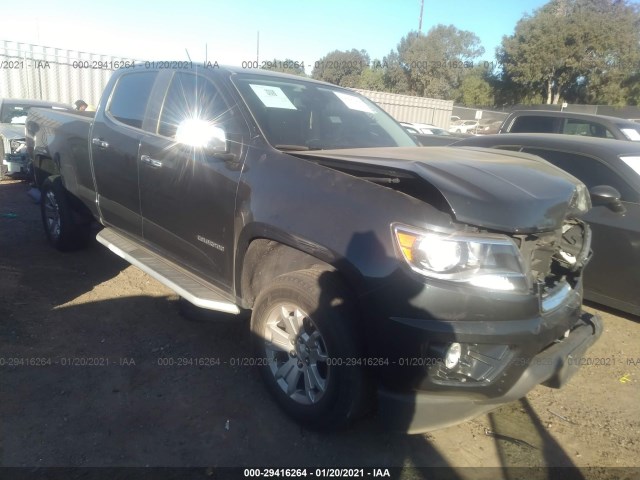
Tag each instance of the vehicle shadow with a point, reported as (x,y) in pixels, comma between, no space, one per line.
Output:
(35,276)
(522,439)
(612,311)
(129,382)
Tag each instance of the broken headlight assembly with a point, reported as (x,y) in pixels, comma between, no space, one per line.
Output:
(18,146)
(488,261)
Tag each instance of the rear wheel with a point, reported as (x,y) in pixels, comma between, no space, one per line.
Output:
(62,227)
(304,336)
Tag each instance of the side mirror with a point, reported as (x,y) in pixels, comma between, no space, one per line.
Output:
(200,133)
(605,195)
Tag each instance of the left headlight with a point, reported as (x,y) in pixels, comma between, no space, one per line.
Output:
(492,262)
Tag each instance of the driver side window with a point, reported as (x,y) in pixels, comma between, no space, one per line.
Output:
(191,97)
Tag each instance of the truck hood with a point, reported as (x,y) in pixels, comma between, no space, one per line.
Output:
(498,190)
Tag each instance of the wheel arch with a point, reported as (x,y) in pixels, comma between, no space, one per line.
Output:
(44,167)
(261,258)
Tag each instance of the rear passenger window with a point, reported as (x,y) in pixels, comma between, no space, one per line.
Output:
(130,97)
(589,170)
(585,128)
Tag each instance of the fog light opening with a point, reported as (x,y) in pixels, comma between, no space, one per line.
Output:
(452,355)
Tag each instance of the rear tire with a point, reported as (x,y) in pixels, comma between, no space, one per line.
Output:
(305,339)
(62,226)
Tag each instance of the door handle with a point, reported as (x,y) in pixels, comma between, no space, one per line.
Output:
(150,161)
(100,143)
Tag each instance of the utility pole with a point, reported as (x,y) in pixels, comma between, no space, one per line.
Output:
(420,23)
(258,49)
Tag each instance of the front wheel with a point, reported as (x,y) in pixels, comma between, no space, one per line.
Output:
(63,229)
(304,334)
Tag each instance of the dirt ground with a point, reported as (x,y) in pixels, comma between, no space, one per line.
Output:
(96,333)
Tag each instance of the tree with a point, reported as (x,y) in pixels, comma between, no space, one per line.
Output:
(581,50)
(372,78)
(341,68)
(284,66)
(434,63)
(394,75)
(475,89)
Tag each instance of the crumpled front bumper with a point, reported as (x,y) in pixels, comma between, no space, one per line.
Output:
(419,412)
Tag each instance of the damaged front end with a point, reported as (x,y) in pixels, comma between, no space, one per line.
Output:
(495,303)
(556,260)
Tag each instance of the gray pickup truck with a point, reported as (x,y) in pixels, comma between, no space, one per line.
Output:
(437,283)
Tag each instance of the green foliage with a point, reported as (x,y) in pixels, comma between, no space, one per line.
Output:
(342,68)
(372,78)
(395,77)
(475,89)
(580,51)
(434,64)
(576,50)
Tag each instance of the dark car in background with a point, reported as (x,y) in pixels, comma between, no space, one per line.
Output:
(611,171)
(569,123)
(13,115)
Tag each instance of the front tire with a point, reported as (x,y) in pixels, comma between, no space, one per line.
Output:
(304,335)
(61,225)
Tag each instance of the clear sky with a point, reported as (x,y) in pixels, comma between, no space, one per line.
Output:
(302,30)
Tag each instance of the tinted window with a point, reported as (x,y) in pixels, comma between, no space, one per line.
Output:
(589,170)
(191,97)
(575,126)
(130,97)
(534,124)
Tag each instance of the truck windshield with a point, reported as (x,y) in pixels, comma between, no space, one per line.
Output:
(300,115)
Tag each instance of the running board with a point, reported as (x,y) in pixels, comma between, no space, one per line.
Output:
(192,288)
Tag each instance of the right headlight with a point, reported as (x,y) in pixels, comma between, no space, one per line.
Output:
(492,262)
